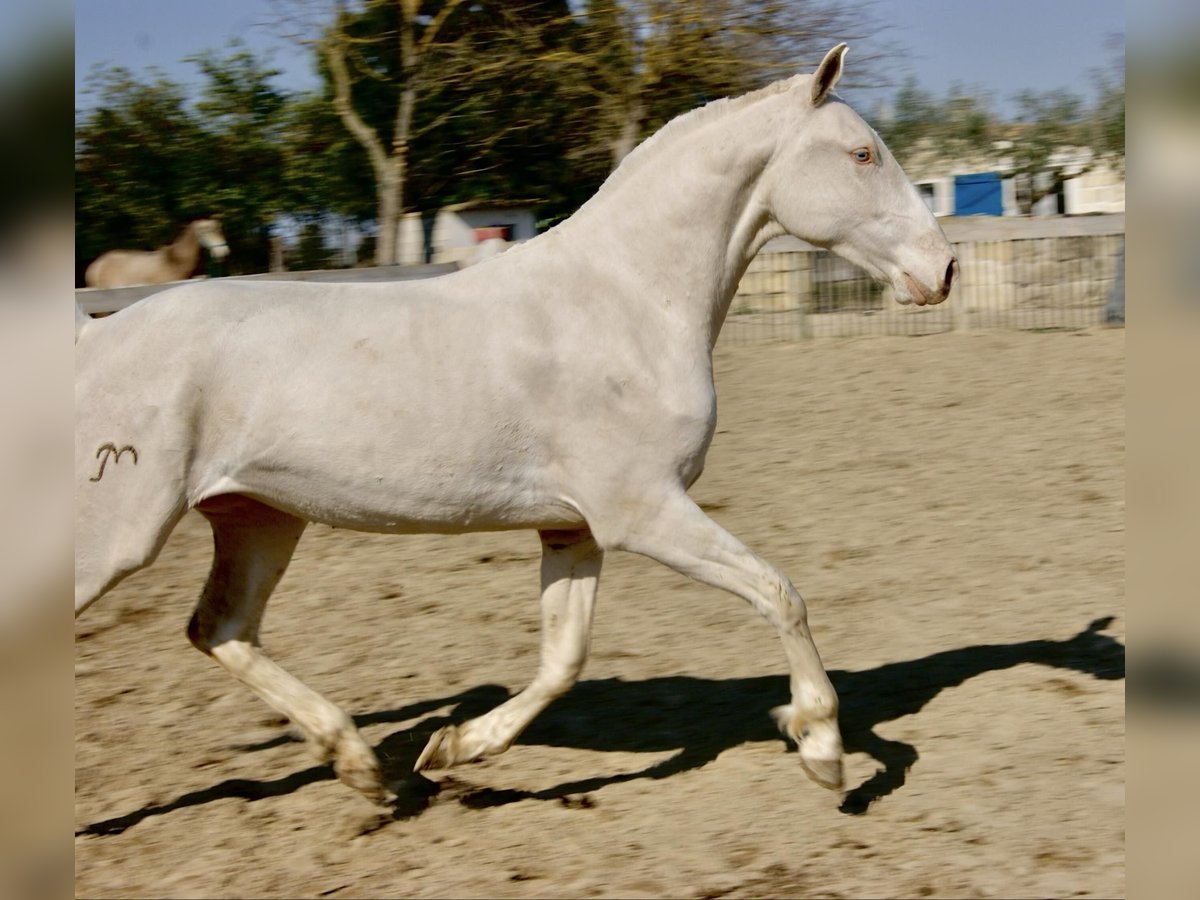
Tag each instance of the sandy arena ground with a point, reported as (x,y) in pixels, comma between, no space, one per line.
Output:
(952,509)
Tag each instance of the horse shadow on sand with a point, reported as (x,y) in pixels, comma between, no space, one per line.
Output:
(658,715)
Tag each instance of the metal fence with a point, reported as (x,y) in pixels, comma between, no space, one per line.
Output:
(1049,283)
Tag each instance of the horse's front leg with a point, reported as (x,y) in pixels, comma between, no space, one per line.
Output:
(674,531)
(570,575)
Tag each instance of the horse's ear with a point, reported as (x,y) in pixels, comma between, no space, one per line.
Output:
(828,73)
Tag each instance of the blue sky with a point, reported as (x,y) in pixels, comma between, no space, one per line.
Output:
(998,48)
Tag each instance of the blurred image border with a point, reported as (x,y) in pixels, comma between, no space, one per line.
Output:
(36,254)
(1163,479)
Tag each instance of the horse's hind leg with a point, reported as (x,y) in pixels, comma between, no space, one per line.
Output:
(678,534)
(570,575)
(111,552)
(121,523)
(253,545)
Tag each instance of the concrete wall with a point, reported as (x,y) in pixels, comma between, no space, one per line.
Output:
(1100,190)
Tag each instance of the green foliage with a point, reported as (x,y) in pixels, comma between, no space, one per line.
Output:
(914,112)
(141,167)
(324,170)
(650,60)
(530,100)
(147,161)
(963,126)
(1108,122)
(1053,121)
(522,100)
(1048,121)
(489,120)
(311,251)
(242,117)
(516,101)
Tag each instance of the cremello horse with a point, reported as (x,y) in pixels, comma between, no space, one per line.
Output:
(565,386)
(174,262)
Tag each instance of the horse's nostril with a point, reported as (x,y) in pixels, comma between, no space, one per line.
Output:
(951,271)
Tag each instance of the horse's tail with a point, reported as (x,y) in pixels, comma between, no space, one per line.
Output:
(81,320)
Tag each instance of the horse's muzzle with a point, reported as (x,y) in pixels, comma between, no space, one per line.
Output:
(922,295)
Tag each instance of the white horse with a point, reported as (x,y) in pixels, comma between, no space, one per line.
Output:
(173,262)
(564,386)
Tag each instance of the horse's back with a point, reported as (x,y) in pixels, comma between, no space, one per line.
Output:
(119,268)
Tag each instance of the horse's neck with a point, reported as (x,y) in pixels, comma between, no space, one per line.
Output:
(184,252)
(685,222)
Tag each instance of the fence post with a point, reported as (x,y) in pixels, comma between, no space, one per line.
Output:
(799,275)
(1114,305)
(957,299)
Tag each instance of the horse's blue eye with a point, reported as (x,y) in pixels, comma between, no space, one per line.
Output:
(862,156)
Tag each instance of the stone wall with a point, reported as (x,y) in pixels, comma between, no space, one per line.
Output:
(1034,273)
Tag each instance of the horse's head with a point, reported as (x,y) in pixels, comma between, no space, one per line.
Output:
(212,239)
(833,183)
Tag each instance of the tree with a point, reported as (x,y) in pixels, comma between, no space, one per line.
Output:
(1050,126)
(311,251)
(1108,119)
(147,160)
(537,99)
(909,120)
(922,130)
(243,117)
(323,170)
(650,60)
(401,71)
(141,166)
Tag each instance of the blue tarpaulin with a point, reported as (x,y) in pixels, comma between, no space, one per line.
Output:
(978,195)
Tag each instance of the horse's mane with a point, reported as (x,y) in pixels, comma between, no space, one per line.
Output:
(686,124)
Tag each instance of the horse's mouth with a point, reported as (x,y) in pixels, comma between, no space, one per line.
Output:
(919,294)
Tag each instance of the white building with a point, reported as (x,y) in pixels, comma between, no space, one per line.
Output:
(456,230)
(1095,187)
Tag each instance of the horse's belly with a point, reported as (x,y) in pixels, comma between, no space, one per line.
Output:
(415,502)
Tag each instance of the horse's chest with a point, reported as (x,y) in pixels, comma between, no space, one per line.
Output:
(668,422)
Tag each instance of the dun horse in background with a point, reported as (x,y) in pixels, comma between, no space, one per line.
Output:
(564,386)
(175,262)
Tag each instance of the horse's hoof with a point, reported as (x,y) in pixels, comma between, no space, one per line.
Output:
(362,773)
(825,772)
(440,752)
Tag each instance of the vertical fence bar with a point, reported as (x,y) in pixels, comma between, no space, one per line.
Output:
(797,295)
(958,312)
